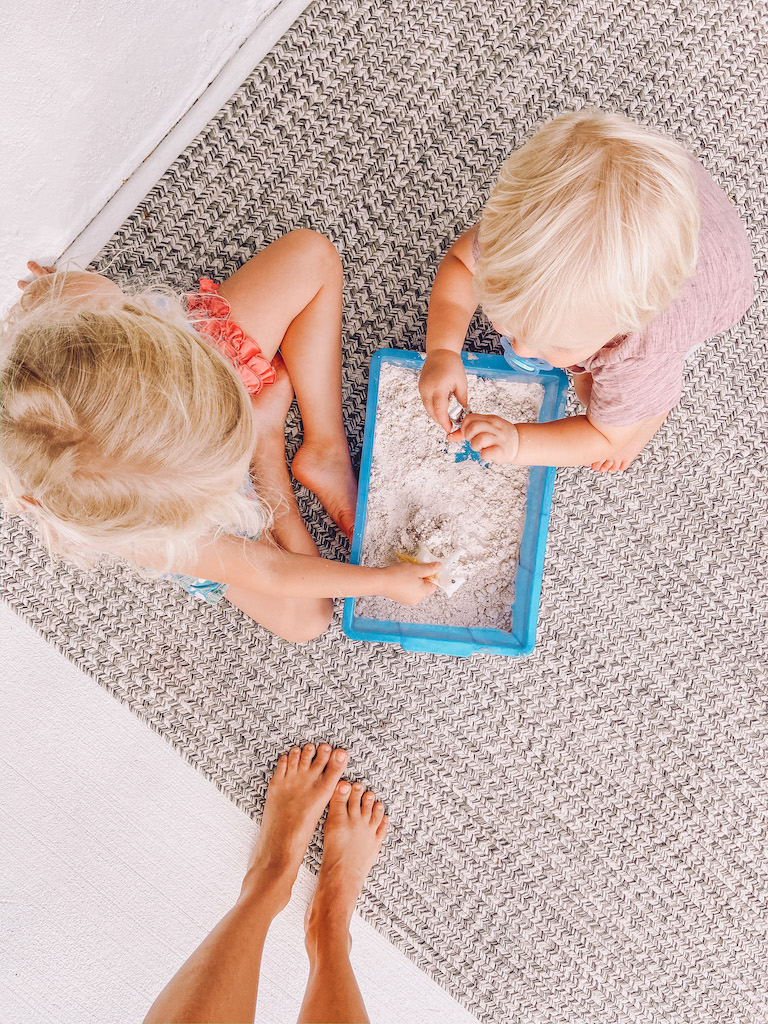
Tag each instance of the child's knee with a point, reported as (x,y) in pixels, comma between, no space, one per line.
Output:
(318,249)
(309,623)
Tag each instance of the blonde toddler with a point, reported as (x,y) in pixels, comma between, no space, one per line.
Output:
(606,249)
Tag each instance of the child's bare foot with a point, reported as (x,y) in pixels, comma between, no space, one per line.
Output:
(304,780)
(354,831)
(326,470)
(270,406)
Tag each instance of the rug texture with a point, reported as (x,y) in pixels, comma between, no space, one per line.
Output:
(578,836)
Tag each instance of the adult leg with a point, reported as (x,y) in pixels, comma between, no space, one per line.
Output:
(354,831)
(289,296)
(219,981)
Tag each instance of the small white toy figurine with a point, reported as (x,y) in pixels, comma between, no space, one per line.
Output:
(445,579)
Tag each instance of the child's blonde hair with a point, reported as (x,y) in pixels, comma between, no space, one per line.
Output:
(594,213)
(123,431)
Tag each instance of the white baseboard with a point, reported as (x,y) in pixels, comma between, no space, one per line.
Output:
(100,229)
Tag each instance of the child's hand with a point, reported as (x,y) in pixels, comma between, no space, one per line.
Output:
(496,439)
(442,375)
(407,583)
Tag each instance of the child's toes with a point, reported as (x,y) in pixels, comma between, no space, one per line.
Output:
(281,766)
(377,815)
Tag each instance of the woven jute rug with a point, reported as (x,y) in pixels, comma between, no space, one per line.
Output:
(579,836)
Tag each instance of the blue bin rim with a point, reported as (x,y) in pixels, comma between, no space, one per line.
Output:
(463,642)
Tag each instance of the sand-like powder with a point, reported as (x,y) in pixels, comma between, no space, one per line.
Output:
(420,493)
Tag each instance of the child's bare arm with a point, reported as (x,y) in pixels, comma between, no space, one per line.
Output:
(452,302)
(266,568)
(451,307)
(574,441)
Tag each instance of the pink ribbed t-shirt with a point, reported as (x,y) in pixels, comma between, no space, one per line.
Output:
(640,375)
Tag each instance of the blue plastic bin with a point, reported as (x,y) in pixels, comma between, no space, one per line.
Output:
(525,611)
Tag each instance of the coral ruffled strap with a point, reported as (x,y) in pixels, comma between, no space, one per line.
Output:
(254,370)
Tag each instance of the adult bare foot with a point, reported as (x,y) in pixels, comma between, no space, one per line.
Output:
(354,831)
(305,779)
(326,469)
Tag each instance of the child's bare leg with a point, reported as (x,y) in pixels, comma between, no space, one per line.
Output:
(626,455)
(312,351)
(219,981)
(582,385)
(295,619)
(354,831)
(268,465)
(289,297)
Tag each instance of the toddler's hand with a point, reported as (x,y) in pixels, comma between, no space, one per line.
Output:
(407,583)
(496,439)
(442,375)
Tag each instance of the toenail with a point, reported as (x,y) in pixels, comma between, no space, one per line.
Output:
(340,755)
(358,785)
(344,788)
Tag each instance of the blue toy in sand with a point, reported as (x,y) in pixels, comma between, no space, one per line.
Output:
(525,610)
(467,452)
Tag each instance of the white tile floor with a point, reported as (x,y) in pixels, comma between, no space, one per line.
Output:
(118,857)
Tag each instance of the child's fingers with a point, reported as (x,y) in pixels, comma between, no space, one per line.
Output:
(493,454)
(455,435)
(429,401)
(482,440)
(426,569)
(473,423)
(429,406)
(440,414)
